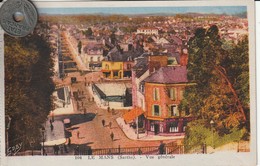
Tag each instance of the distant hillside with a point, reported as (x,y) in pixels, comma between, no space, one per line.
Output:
(241,15)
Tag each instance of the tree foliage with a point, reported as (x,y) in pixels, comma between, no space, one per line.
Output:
(28,86)
(88,32)
(222,78)
(79,47)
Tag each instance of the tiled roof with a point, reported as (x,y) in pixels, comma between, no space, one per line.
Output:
(169,75)
(120,56)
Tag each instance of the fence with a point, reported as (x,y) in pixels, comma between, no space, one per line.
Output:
(151,150)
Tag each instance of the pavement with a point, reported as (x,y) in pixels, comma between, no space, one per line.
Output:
(74,53)
(68,108)
(89,124)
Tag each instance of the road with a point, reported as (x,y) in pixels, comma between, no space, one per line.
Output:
(90,128)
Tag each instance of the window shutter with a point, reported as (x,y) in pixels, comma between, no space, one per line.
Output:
(173,94)
(169,110)
(158,94)
(154,93)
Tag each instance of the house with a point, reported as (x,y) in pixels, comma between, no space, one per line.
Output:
(117,64)
(148,31)
(163,92)
(157,89)
(93,55)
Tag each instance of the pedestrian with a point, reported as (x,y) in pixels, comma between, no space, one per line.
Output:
(108,109)
(69,143)
(161,148)
(52,116)
(139,151)
(110,125)
(78,134)
(112,136)
(44,152)
(56,149)
(76,150)
(51,127)
(103,122)
(89,151)
(65,149)
(50,122)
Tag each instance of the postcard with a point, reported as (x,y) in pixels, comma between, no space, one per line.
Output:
(128,83)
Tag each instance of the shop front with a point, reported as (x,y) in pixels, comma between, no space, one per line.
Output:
(166,127)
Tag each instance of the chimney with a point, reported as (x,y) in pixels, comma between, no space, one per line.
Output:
(184,57)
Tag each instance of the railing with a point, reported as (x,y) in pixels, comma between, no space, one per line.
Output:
(152,150)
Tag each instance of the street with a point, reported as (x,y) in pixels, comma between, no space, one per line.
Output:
(90,128)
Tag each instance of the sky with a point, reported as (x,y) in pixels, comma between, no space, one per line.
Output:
(145,10)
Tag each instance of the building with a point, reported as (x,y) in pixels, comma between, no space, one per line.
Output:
(118,64)
(148,31)
(93,55)
(157,90)
(163,93)
(118,96)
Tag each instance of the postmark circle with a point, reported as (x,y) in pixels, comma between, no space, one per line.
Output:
(18,17)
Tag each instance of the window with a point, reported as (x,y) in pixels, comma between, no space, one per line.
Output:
(181,94)
(174,111)
(128,66)
(156,94)
(156,110)
(172,94)
(173,127)
(161,128)
(152,127)
(115,74)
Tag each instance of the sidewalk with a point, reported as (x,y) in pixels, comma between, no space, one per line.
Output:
(130,133)
(55,136)
(74,54)
(60,109)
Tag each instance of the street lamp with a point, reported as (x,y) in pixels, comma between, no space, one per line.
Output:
(43,131)
(211,124)
(8,122)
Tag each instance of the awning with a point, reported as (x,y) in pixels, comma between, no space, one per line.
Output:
(131,115)
(155,118)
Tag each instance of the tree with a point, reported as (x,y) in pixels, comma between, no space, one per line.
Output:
(28,87)
(79,47)
(221,76)
(88,32)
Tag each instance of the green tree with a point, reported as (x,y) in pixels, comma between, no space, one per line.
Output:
(28,87)
(88,32)
(222,82)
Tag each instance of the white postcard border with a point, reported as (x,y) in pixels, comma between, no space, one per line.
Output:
(248,158)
